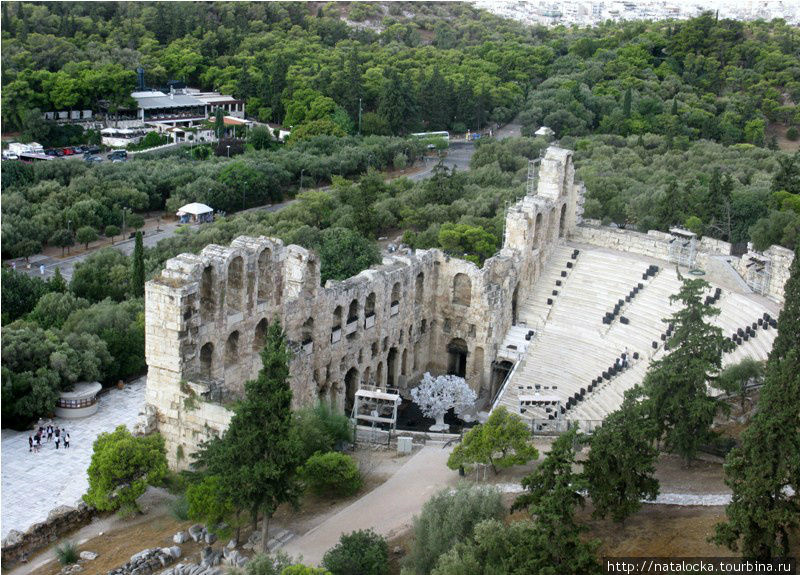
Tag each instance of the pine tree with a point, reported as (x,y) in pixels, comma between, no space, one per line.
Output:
(137,271)
(676,384)
(553,493)
(674,110)
(763,470)
(620,469)
(258,456)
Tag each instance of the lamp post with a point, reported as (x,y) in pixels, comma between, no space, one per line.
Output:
(69,230)
(229,151)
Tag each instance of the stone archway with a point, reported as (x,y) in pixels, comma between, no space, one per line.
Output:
(391,368)
(350,388)
(457,352)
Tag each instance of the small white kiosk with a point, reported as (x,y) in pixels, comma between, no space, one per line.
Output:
(80,402)
(195,212)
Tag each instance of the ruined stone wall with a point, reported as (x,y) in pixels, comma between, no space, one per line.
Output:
(207,314)
(780,260)
(656,244)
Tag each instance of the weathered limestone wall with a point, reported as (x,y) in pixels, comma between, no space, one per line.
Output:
(206,316)
(779,260)
(656,244)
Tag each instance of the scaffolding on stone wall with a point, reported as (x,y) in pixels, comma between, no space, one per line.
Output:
(758,274)
(533,176)
(683,247)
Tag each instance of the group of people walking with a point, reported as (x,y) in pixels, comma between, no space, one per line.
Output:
(48,434)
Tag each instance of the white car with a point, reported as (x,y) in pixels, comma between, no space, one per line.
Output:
(10,156)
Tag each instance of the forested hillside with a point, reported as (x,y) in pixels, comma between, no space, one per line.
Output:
(413,66)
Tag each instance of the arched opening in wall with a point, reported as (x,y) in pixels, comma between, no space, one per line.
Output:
(423,326)
(514,305)
(265,288)
(419,288)
(562,221)
(207,307)
(462,289)
(352,311)
(415,358)
(365,380)
(537,232)
(369,306)
(457,353)
(379,375)
(232,349)
(308,331)
(234,294)
(391,368)
(337,317)
(477,367)
(404,363)
(350,388)
(260,335)
(207,359)
(396,294)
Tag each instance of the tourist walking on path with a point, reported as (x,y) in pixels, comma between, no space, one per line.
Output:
(38,444)
(66,440)
(58,440)
(30,444)
(49,433)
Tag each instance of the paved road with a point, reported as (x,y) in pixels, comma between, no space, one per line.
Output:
(388,509)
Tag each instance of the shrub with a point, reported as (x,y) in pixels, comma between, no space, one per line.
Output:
(122,467)
(332,473)
(67,553)
(358,553)
(300,569)
(447,518)
(400,161)
(268,564)
(320,428)
(792,134)
(179,508)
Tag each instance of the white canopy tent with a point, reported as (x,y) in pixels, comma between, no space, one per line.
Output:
(196,211)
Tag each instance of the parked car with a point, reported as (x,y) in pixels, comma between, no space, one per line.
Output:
(121,155)
(50,153)
(68,151)
(79,149)
(59,153)
(10,156)
(93,149)
(93,159)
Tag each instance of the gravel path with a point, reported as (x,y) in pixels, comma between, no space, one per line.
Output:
(388,509)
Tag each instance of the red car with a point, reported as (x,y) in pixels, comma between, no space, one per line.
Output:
(68,152)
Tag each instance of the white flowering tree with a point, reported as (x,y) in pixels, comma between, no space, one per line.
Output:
(436,395)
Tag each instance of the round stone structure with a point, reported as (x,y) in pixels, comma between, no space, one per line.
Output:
(80,402)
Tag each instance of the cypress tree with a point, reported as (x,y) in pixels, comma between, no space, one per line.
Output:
(764,470)
(137,272)
(620,469)
(257,457)
(676,384)
(626,103)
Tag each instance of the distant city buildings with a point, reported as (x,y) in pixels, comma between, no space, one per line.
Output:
(591,12)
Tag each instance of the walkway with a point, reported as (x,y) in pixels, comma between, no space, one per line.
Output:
(388,509)
(34,484)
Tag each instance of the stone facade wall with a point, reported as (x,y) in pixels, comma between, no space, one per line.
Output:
(779,260)
(206,316)
(61,520)
(656,244)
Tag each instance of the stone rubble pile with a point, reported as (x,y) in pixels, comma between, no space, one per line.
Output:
(148,561)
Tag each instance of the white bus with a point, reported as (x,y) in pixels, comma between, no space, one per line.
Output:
(434,139)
